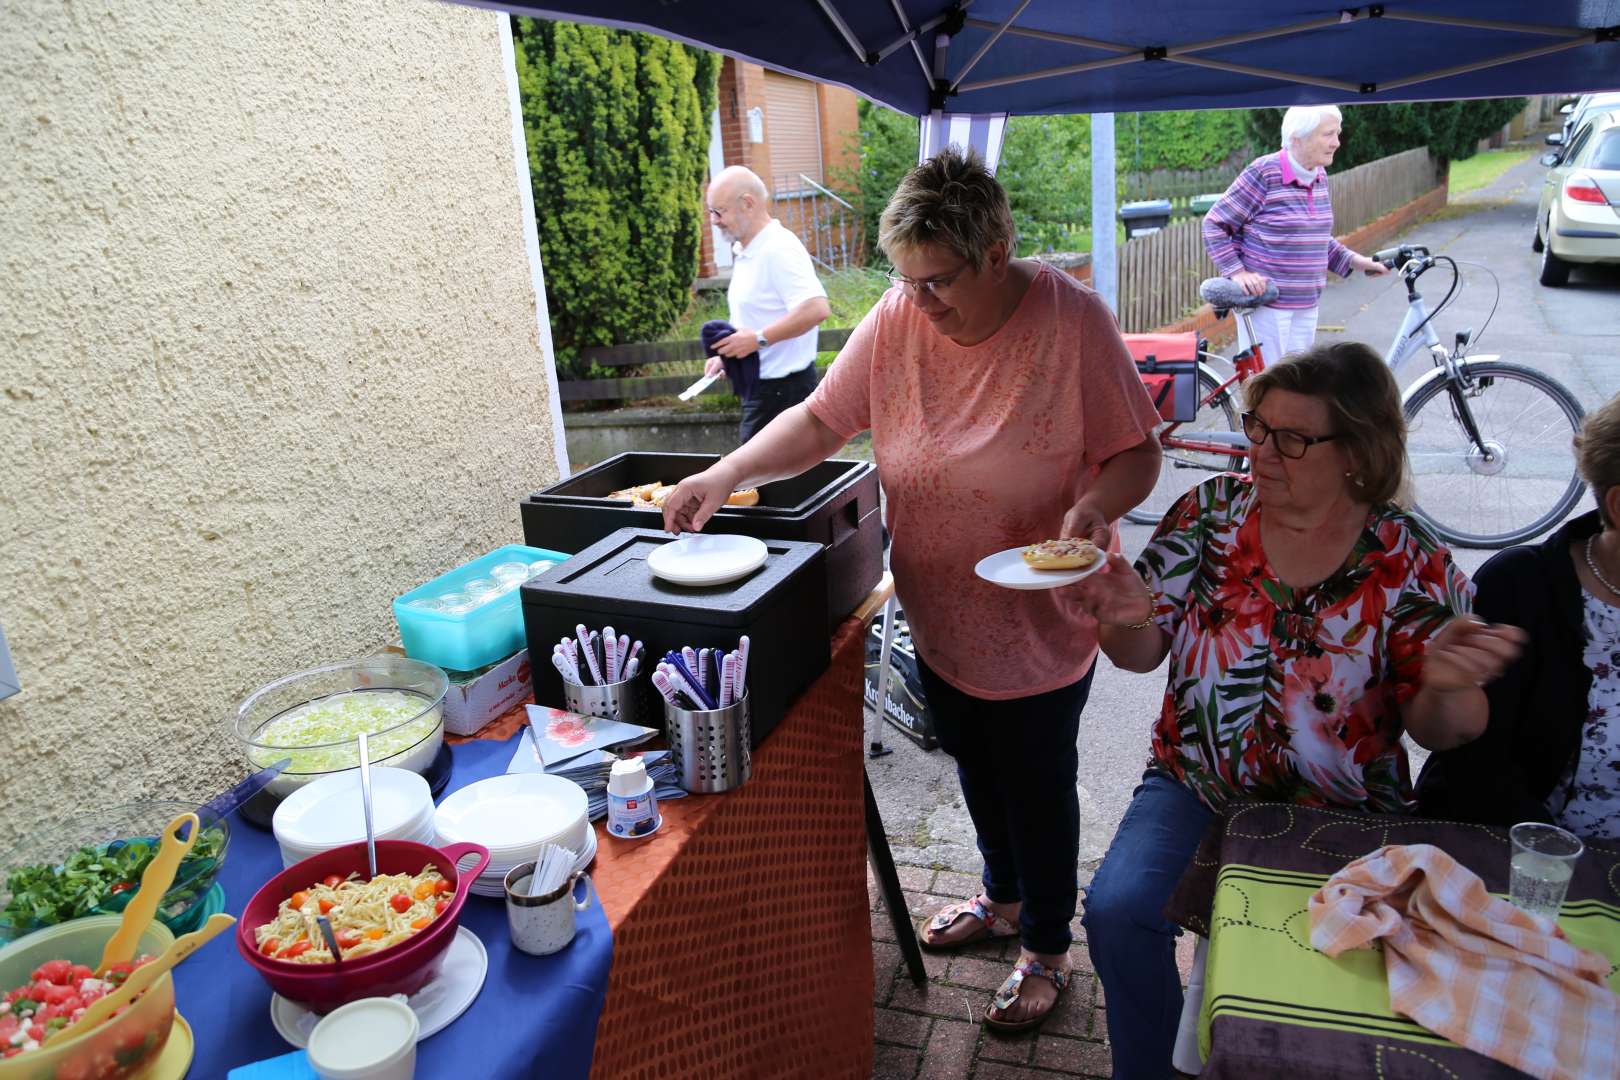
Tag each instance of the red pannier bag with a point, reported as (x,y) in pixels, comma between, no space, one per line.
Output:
(1168,367)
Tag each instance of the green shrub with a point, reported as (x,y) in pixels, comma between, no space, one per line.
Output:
(1450,129)
(617,125)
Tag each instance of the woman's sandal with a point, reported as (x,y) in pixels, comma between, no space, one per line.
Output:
(991,925)
(1008,994)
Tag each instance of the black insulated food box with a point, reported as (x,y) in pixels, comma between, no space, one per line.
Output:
(835,503)
(782,607)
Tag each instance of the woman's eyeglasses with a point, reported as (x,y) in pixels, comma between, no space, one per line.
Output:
(1290,444)
(933,286)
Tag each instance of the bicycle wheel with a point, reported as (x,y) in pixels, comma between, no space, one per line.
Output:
(1184,469)
(1524,485)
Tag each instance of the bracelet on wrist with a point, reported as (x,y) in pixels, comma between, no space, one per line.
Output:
(1146,620)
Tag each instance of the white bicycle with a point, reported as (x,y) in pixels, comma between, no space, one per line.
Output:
(1490,441)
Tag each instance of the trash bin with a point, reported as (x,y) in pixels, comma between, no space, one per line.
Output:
(1145,217)
(1201,203)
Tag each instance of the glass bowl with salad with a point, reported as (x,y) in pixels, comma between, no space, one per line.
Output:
(91,864)
(314,718)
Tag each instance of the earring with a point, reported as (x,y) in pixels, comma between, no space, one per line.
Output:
(1354,479)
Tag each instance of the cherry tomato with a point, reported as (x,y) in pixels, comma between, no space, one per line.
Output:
(297,948)
(438,909)
(331,881)
(444,886)
(326,905)
(270,946)
(347,939)
(400,903)
(299,899)
(122,886)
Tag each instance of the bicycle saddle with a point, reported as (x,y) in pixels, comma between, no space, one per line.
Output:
(1224,294)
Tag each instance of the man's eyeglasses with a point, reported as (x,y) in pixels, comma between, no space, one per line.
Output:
(1290,444)
(933,286)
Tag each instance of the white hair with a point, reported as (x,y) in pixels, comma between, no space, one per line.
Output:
(1301,121)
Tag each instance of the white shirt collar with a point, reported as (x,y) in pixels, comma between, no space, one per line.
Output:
(740,251)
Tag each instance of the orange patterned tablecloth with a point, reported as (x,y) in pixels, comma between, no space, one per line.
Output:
(741,942)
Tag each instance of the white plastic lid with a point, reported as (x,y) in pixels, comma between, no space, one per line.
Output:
(628,777)
(362,1038)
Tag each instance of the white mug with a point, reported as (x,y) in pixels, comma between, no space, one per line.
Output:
(542,925)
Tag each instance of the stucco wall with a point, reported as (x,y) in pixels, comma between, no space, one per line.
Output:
(268,358)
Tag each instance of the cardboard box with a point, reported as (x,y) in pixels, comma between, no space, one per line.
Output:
(477,697)
(906,707)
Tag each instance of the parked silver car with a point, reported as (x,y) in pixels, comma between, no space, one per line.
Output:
(1578,220)
(1579,111)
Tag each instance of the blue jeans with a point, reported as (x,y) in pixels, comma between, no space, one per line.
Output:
(1132,946)
(1018,765)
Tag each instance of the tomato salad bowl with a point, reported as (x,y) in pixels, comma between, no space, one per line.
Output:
(399,969)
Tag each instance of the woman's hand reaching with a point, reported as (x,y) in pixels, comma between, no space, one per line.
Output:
(1115,595)
(1468,653)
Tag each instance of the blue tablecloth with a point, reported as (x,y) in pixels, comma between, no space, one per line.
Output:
(534,1014)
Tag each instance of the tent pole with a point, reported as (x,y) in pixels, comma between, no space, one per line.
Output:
(991,40)
(1267,73)
(1512,58)
(1104,253)
(910,38)
(1132,57)
(850,39)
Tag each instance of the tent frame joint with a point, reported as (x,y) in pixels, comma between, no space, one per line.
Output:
(1606,34)
(938,94)
(1155,52)
(955,20)
(1369,88)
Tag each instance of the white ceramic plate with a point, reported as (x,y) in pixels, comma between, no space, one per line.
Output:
(1009,570)
(702,559)
(329,813)
(438,1003)
(512,812)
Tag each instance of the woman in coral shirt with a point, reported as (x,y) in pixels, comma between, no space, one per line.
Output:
(1308,622)
(1004,410)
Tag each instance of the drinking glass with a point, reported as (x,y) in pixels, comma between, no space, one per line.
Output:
(1544,859)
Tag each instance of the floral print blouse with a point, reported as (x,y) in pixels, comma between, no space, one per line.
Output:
(1587,802)
(1283,695)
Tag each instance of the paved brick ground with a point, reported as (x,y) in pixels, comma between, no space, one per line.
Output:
(933,1032)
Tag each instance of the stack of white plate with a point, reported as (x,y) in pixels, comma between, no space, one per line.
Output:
(328,813)
(514,815)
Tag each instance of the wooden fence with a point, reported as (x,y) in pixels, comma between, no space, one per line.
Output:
(1159,274)
(651,354)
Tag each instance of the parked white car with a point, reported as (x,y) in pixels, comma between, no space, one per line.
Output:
(1579,111)
(1578,220)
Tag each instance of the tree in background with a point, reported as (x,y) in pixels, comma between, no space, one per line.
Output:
(617,126)
(1450,129)
(1046,164)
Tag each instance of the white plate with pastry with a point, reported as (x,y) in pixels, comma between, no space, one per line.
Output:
(1045,565)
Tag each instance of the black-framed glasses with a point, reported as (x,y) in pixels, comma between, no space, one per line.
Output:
(932,286)
(1290,444)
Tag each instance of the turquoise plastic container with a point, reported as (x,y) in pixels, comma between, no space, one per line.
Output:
(467,640)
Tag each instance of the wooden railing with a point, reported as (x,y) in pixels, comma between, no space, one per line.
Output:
(1159,274)
(648,354)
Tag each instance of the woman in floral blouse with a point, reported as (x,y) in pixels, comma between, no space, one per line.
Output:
(1308,622)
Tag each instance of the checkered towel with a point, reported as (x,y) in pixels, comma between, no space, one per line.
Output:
(1471,966)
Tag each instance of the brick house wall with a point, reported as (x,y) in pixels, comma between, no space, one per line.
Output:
(742,87)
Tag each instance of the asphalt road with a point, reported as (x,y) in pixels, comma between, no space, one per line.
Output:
(1571,333)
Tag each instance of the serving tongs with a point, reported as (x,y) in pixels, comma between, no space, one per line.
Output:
(155,881)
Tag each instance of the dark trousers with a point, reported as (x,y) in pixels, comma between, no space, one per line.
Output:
(1018,765)
(773,397)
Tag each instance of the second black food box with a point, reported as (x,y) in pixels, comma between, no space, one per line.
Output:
(834,503)
(782,607)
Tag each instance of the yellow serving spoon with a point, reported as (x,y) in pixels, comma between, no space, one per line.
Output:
(155,881)
(149,973)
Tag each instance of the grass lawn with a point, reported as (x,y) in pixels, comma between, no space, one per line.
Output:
(1473,173)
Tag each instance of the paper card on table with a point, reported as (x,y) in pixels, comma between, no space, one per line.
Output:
(562,736)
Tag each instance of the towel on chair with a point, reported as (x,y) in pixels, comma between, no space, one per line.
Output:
(743,372)
(1471,966)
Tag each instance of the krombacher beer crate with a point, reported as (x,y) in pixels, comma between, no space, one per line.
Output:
(906,707)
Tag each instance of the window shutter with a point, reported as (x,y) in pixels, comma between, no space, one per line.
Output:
(793,128)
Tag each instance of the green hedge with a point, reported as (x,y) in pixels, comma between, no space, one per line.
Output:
(1450,129)
(618,134)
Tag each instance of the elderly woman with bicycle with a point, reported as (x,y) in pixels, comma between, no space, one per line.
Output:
(1005,409)
(1308,622)
(1276,223)
(1551,751)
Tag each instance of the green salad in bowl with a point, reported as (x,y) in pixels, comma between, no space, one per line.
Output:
(91,864)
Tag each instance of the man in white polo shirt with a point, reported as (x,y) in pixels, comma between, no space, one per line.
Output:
(776,300)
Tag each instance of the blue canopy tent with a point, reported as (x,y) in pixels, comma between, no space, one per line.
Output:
(1059,56)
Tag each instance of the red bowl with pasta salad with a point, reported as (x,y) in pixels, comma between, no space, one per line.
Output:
(392,930)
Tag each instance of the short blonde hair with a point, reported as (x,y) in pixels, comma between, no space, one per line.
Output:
(1597,452)
(950,201)
(1365,402)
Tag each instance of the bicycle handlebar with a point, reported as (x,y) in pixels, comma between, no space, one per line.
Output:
(1397,257)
